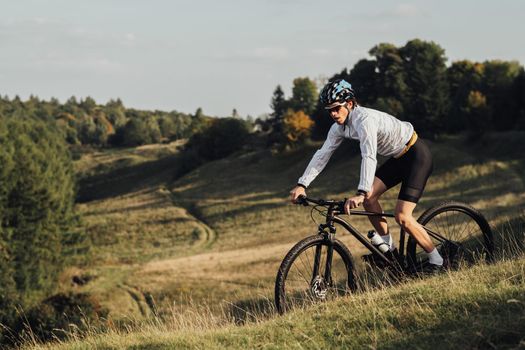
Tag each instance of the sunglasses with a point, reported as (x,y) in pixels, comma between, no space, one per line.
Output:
(334,109)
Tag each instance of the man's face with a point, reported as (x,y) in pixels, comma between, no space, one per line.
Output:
(339,114)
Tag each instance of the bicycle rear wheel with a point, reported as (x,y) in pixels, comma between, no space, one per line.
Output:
(462,236)
(314,270)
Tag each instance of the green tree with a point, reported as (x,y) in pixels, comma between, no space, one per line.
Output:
(304,95)
(88,105)
(426,99)
(71,107)
(168,128)
(198,122)
(138,131)
(199,114)
(274,123)
(477,113)
(463,78)
(497,86)
(8,295)
(153,130)
(183,124)
(221,138)
(363,77)
(278,106)
(37,196)
(389,78)
(87,127)
(116,113)
(519,95)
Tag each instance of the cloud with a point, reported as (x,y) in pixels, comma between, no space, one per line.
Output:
(399,11)
(60,62)
(272,53)
(406,10)
(129,37)
(267,54)
(321,52)
(43,32)
(41,44)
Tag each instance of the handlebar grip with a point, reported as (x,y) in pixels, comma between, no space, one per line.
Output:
(302,200)
(342,206)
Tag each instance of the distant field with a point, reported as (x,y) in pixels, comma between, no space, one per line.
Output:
(115,172)
(217,235)
(133,218)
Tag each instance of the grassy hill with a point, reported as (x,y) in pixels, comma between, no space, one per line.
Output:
(209,243)
(479,308)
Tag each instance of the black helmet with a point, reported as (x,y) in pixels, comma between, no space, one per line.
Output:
(336,93)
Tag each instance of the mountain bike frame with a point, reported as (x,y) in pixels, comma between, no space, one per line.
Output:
(336,208)
(462,241)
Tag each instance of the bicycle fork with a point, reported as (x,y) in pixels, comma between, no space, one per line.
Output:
(319,283)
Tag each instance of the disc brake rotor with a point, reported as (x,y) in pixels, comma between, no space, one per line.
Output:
(319,288)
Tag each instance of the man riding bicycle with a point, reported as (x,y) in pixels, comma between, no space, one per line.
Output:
(410,163)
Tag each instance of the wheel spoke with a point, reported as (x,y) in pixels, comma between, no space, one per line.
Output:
(466,239)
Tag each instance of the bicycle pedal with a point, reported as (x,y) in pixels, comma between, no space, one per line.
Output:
(373,260)
(376,260)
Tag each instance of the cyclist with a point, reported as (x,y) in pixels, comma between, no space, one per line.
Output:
(410,163)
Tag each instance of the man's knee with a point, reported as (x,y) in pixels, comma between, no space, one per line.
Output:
(403,219)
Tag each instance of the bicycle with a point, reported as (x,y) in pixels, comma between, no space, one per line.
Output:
(320,267)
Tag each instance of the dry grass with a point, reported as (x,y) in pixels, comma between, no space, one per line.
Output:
(141,226)
(102,162)
(480,307)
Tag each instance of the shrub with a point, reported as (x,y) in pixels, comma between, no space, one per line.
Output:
(296,126)
(223,137)
(136,132)
(61,314)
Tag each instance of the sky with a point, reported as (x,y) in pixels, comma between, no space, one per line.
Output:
(220,55)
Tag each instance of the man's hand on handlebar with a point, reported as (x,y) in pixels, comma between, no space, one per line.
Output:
(354,202)
(296,192)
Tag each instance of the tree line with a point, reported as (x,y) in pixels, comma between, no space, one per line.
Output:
(84,122)
(414,83)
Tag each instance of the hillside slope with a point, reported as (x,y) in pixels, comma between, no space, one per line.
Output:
(216,236)
(478,308)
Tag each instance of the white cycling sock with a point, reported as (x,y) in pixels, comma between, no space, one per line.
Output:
(435,258)
(388,240)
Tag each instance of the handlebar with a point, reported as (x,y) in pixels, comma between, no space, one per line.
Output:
(338,205)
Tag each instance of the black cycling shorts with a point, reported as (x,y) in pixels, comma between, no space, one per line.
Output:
(412,169)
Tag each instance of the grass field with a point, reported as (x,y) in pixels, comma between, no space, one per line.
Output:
(480,308)
(209,243)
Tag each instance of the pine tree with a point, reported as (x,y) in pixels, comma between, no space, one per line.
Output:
(37,196)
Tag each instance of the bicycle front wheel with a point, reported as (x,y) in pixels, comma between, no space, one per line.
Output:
(315,269)
(460,233)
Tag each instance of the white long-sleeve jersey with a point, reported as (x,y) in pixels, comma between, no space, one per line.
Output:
(377,132)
